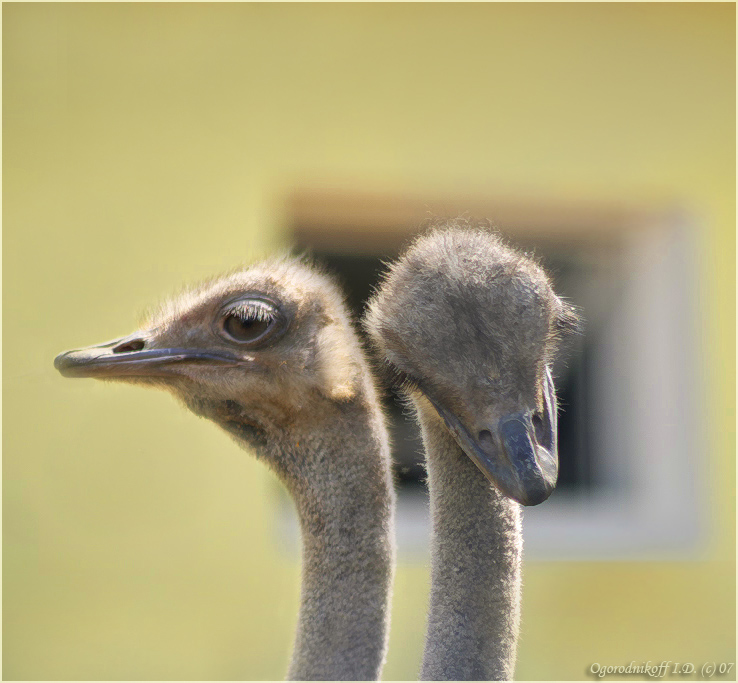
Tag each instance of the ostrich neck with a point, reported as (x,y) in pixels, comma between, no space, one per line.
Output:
(341,484)
(476,549)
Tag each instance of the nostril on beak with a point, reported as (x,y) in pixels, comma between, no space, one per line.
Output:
(538,428)
(132,345)
(486,440)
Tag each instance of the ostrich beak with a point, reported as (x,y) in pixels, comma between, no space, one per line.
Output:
(131,356)
(519,457)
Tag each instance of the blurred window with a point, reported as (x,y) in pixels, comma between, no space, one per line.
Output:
(627,485)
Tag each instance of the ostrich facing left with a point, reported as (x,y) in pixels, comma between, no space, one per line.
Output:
(268,354)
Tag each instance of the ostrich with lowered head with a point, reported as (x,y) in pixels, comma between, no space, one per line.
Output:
(269,354)
(467,327)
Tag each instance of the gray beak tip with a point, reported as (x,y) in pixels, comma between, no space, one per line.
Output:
(537,492)
(66,363)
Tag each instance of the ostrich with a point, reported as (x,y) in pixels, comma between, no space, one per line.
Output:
(466,327)
(268,353)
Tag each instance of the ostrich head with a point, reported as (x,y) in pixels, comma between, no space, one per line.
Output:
(469,325)
(264,352)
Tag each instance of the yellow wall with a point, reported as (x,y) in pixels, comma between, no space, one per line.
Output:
(149,145)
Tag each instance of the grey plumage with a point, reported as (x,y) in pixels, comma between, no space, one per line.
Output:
(466,326)
(269,354)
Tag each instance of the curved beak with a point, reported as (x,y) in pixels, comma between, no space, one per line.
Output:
(131,356)
(518,454)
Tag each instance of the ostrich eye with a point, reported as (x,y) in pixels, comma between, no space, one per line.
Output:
(248,321)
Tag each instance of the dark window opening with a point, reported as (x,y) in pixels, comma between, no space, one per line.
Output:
(359,273)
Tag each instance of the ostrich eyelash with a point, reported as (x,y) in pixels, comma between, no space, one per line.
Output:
(255,311)
(398,379)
